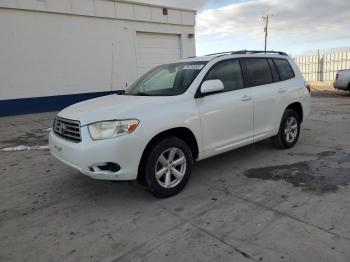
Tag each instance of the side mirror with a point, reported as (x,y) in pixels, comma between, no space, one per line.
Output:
(212,86)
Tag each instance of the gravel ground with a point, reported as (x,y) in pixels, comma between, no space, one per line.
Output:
(252,204)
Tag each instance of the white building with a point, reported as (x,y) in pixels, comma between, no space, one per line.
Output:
(56,52)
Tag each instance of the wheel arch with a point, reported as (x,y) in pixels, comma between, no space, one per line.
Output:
(297,107)
(183,133)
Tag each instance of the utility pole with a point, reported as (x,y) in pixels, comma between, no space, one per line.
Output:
(266,28)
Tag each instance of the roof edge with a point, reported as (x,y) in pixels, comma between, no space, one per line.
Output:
(155,5)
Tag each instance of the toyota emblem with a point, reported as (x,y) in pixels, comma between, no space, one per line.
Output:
(62,129)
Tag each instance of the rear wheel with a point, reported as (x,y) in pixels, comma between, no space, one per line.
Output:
(289,130)
(168,167)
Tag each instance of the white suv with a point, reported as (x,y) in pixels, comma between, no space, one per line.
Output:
(183,112)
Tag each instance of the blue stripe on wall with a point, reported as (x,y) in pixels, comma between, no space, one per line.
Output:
(44,104)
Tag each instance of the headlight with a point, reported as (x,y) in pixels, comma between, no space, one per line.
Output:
(110,129)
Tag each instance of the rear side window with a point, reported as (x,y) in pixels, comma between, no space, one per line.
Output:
(284,69)
(258,71)
(230,74)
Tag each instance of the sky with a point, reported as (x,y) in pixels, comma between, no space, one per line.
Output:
(296,26)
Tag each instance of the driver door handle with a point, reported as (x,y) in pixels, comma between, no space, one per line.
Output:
(246,98)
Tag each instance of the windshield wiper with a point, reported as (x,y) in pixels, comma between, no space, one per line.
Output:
(140,94)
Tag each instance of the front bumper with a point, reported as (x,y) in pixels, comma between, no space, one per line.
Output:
(126,151)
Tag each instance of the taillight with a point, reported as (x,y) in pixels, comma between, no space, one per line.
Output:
(308,87)
(337,76)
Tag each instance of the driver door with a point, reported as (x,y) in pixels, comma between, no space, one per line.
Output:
(226,117)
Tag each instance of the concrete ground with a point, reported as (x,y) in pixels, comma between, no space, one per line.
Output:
(253,204)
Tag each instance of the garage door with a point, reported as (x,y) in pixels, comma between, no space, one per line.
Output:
(155,49)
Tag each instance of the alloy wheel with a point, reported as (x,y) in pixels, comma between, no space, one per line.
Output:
(291,129)
(170,168)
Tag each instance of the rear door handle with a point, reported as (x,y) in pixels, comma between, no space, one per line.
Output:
(246,98)
(281,91)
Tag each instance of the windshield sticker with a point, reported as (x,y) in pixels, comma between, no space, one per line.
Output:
(193,67)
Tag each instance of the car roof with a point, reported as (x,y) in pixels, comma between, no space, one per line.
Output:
(237,54)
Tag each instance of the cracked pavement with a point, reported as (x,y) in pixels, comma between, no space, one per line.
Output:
(256,203)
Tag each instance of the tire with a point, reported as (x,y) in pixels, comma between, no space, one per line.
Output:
(163,159)
(287,138)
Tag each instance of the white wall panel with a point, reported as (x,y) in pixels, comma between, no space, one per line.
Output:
(32,4)
(142,13)
(8,3)
(45,54)
(105,8)
(124,11)
(187,18)
(174,16)
(158,16)
(83,7)
(60,56)
(62,6)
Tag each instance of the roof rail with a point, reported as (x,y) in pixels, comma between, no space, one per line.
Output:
(258,52)
(222,53)
(245,52)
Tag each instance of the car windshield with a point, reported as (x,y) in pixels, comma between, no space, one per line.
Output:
(166,80)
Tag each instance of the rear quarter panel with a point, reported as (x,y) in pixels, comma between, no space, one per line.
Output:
(297,92)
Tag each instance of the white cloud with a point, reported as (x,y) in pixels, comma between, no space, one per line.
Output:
(293,22)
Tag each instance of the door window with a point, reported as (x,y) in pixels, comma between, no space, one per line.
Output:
(274,72)
(258,71)
(230,74)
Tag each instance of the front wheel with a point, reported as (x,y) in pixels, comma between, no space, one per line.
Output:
(168,167)
(289,130)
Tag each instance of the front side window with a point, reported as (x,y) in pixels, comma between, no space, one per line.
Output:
(166,80)
(230,74)
(258,71)
(284,69)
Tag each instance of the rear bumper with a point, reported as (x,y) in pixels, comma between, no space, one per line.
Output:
(86,156)
(341,85)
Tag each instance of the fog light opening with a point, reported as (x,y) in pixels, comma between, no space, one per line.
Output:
(105,167)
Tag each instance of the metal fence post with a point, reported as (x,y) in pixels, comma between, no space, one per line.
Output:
(322,62)
(318,75)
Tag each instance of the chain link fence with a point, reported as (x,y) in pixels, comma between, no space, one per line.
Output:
(323,67)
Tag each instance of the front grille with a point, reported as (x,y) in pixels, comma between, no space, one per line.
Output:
(67,129)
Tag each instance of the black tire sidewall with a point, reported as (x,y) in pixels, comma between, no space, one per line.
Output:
(150,164)
(288,113)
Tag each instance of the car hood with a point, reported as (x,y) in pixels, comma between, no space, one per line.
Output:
(110,108)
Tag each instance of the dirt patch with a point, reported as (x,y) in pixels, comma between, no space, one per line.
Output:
(32,138)
(325,174)
(335,93)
